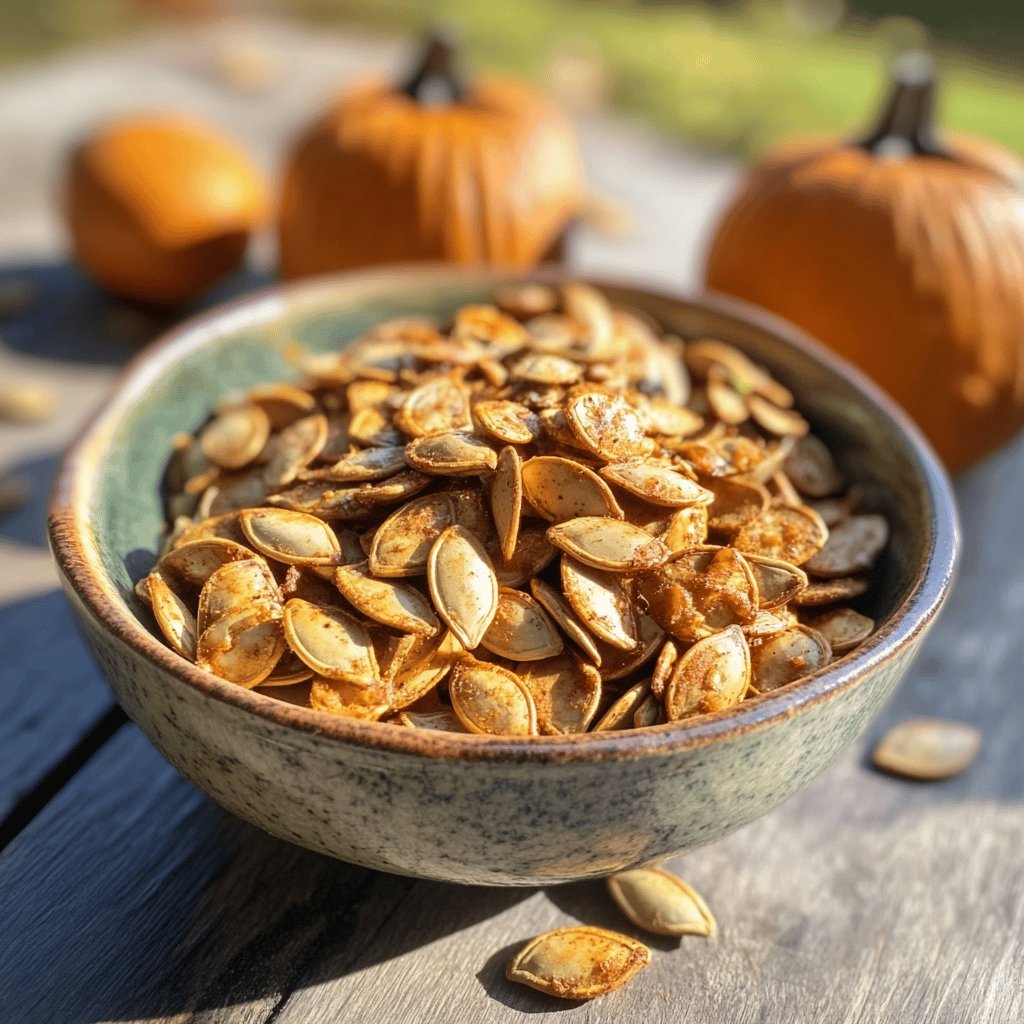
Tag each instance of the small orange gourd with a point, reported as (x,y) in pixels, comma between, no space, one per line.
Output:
(161,207)
(903,253)
(436,169)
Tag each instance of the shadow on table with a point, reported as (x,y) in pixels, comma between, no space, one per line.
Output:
(26,524)
(274,918)
(69,319)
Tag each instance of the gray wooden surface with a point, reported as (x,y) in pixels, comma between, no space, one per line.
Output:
(128,896)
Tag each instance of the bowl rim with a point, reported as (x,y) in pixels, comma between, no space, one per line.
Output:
(74,549)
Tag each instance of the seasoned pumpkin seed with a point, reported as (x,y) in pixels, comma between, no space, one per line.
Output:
(402,543)
(659,902)
(359,467)
(510,422)
(442,720)
(701,592)
(453,454)
(294,448)
(561,611)
(398,605)
(602,601)
(566,693)
(173,616)
(436,406)
(349,699)
(331,642)
(192,564)
(792,534)
(561,489)
(623,710)
(608,544)
(578,962)
(660,485)
(852,547)
(235,437)
(927,748)
(292,537)
(812,469)
(491,699)
(234,587)
(243,647)
(711,676)
(607,426)
(521,629)
(843,628)
(462,584)
(822,592)
(787,656)
(507,499)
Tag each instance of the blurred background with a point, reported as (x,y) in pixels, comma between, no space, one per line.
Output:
(727,75)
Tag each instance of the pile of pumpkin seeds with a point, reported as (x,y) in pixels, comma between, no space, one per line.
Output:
(543,517)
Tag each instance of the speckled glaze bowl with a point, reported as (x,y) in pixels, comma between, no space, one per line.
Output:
(470,808)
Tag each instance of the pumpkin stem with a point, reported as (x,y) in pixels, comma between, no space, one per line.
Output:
(907,124)
(436,81)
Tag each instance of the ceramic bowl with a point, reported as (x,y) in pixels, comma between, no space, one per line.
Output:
(468,808)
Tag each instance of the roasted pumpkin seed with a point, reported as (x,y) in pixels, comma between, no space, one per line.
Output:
(507,499)
(812,469)
(331,642)
(659,902)
(602,601)
(350,700)
(608,544)
(234,587)
(843,628)
(402,543)
(243,647)
(561,611)
(711,676)
(521,629)
(566,693)
(398,605)
(927,748)
(173,616)
(578,962)
(453,454)
(235,437)
(491,699)
(852,547)
(292,537)
(462,584)
(787,656)
(623,710)
(436,406)
(793,534)
(822,592)
(607,426)
(510,422)
(192,564)
(561,489)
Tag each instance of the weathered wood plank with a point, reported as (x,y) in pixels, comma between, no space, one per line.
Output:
(51,694)
(132,896)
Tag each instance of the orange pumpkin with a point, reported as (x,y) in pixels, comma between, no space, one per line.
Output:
(905,255)
(160,208)
(487,173)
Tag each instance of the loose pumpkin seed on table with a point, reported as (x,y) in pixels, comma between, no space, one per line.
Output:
(544,516)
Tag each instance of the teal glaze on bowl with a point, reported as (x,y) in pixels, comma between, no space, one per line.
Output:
(469,808)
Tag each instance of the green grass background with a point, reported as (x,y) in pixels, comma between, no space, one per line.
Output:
(728,79)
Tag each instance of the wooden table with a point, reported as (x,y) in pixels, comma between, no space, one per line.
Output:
(126,895)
